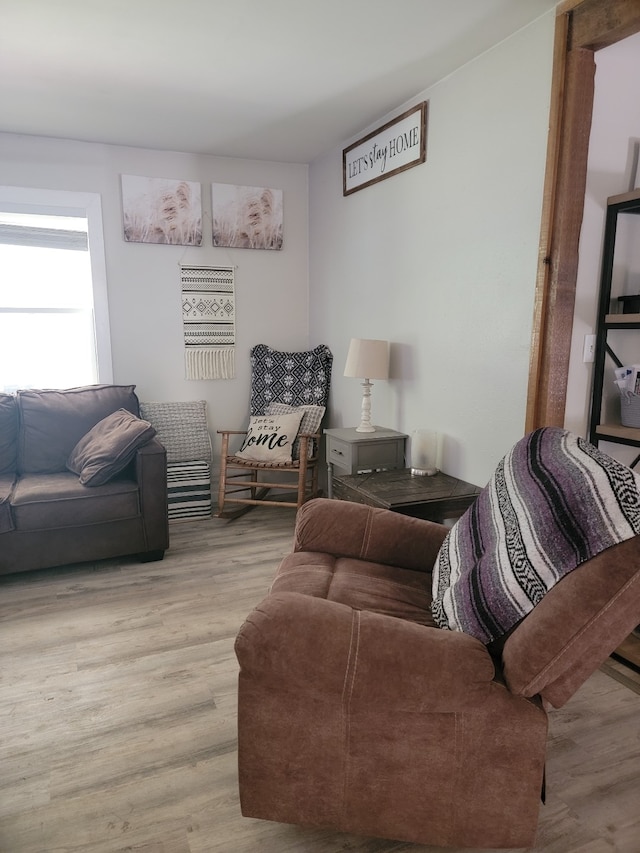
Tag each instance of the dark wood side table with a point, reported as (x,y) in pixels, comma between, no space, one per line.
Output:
(434,498)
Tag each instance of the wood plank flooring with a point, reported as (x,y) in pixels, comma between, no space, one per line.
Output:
(118,702)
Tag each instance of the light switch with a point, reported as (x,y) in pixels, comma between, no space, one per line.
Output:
(589,351)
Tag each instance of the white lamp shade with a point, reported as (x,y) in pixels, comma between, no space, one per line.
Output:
(367,359)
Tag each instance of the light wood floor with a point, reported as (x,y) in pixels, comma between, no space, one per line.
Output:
(118,700)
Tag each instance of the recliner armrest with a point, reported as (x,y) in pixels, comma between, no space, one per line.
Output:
(347,529)
(298,642)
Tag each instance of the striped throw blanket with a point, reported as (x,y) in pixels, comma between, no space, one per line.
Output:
(554,502)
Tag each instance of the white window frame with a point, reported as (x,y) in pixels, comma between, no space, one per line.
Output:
(69,203)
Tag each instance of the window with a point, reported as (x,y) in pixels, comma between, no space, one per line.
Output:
(53,322)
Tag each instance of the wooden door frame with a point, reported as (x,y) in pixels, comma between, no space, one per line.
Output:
(582,27)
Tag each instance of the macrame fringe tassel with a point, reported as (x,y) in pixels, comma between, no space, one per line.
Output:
(210,363)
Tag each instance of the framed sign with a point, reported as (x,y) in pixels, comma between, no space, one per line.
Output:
(398,145)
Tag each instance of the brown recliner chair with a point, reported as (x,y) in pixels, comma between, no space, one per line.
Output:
(357,713)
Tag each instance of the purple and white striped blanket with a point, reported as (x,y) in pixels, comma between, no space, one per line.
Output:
(554,502)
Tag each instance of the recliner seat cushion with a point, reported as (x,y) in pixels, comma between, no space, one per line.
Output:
(43,502)
(52,422)
(362,585)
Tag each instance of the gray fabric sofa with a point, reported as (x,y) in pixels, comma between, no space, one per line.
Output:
(48,515)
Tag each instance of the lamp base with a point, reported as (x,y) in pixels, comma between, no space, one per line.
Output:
(424,472)
(365,424)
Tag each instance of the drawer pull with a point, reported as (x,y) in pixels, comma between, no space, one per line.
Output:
(339,452)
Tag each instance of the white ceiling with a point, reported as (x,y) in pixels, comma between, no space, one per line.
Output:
(279,80)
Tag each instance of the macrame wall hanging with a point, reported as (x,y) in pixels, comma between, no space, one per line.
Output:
(208,319)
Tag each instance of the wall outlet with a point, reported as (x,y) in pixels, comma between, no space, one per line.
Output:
(589,351)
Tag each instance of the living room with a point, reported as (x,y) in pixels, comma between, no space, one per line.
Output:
(385,262)
(440,260)
(454,313)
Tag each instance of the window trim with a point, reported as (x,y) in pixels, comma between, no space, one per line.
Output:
(69,203)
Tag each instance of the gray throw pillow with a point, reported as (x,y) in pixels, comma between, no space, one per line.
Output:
(108,447)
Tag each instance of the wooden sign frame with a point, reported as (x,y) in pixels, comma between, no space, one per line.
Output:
(398,145)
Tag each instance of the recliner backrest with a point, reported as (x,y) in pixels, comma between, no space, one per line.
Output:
(576,626)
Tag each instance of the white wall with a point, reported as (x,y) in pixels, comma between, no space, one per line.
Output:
(441,259)
(615,125)
(144,280)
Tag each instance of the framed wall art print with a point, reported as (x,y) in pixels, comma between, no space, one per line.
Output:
(161,210)
(246,217)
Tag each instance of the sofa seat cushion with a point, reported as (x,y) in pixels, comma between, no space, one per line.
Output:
(53,422)
(6,488)
(362,585)
(49,501)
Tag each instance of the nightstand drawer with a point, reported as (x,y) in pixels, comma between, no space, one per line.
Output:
(339,453)
(381,454)
(350,451)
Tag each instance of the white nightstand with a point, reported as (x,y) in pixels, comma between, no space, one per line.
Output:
(350,451)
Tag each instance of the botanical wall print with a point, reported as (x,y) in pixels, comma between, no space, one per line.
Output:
(246,217)
(161,210)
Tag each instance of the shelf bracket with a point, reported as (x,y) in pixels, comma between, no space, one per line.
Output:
(635,461)
(613,356)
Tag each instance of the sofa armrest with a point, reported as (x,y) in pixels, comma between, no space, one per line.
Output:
(151,475)
(366,658)
(346,529)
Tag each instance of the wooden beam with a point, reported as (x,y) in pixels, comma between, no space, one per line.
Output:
(561,260)
(536,400)
(567,6)
(581,27)
(595,24)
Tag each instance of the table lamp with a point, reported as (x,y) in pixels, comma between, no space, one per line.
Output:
(366,360)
